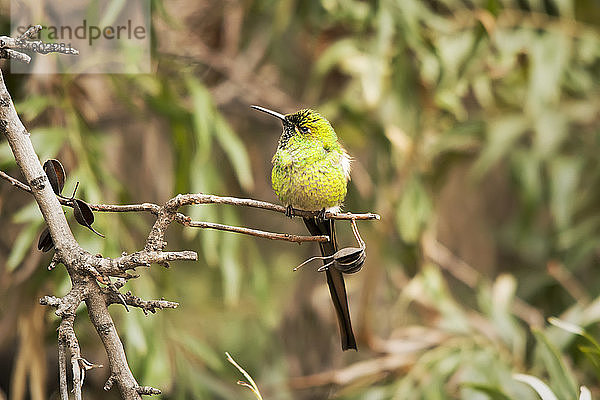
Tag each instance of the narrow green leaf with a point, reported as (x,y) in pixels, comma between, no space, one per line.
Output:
(22,244)
(196,347)
(502,133)
(230,267)
(565,173)
(561,378)
(236,152)
(33,106)
(203,115)
(413,211)
(114,8)
(551,128)
(493,392)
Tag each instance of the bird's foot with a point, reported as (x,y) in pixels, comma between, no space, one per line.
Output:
(321,214)
(289,211)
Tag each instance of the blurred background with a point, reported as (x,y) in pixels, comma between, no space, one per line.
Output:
(475,129)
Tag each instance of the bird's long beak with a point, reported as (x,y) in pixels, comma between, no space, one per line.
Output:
(270,112)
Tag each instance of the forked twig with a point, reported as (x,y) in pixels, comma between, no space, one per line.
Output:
(250,384)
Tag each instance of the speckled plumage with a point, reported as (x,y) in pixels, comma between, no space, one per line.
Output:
(310,172)
(310,167)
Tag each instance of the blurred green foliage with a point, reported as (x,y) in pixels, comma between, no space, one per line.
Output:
(475,128)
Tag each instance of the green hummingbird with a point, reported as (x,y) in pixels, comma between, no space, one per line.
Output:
(311,170)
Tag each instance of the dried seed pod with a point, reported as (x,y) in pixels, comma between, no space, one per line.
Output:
(56,175)
(84,215)
(352,262)
(348,254)
(45,242)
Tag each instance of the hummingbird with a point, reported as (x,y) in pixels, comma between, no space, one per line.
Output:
(310,172)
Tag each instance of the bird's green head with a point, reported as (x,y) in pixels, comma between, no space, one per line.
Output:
(305,125)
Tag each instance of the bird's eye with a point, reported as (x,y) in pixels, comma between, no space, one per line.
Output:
(304,129)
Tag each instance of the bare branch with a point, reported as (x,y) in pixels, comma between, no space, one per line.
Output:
(113,297)
(66,308)
(15,55)
(30,32)
(255,232)
(78,262)
(147,390)
(105,327)
(66,335)
(62,370)
(9,46)
(117,266)
(198,198)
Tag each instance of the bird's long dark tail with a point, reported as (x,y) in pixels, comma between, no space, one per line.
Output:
(335,279)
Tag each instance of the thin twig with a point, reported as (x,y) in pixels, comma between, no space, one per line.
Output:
(199,198)
(66,334)
(563,276)
(9,46)
(30,32)
(147,390)
(250,384)
(15,182)
(146,306)
(117,266)
(62,369)
(255,232)
(65,308)
(15,55)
